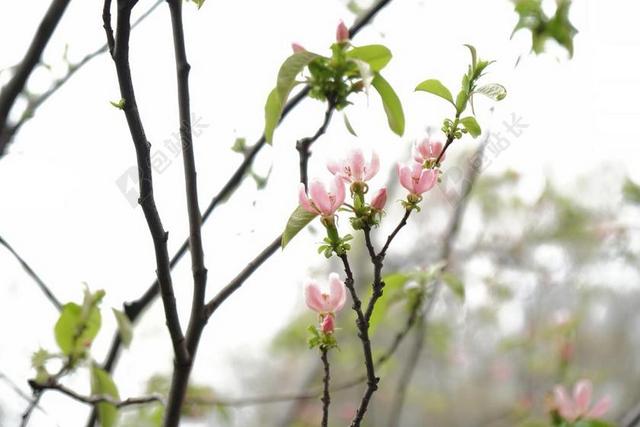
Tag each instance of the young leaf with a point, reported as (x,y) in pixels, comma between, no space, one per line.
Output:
(347,123)
(391,103)
(102,384)
(495,91)
(119,104)
(66,328)
(461,101)
(290,68)
(297,221)
(272,111)
(471,125)
(376,55)
(474,55)
(437,88)
(454,283)
(125,329)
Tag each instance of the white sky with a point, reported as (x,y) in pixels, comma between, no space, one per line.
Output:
(62,210)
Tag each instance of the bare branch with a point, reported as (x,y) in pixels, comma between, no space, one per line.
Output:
(43,287)
(96,399)
(17,83)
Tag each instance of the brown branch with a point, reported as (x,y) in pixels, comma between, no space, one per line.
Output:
(303,145)
(182,368)
(43,287)
(106,23)
(35,102)
(363,333)
(96,399)
(326,397)
(145,177)
(15,86)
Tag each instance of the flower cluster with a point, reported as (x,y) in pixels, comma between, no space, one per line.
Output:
(578,406)
(326,301)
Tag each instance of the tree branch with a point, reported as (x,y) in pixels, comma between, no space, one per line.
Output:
(145,176)
(97,399)
(16,85)
(326,397)
(363,333)
(43,287)
(303,145)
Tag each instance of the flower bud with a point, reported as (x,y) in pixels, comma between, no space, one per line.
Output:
(297,48)
(379,199)
(328,325)
(342,33)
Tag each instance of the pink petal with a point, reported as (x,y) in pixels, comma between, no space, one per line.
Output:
(373,167)
(297,48)
(320,197)
(304,201)
(582,395)
(427,180)
(436,150)
(600,408)
(379,199)
(313,296)
(404,173)
(338,294)
(334,167)
(356,163)
(339,193)
(564,403)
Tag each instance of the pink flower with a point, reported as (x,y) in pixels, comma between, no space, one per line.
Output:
(379,199)
(354,168)
(342,33)
(322,202)
(428,149)
(578,407)
(328,324)
(323,302)
(416,179)
(297,48)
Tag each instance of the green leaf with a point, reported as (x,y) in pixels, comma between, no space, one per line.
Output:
(67,327)
(272,112)
(391,103)
(102,384)
(631,191)
(471,125)
(125,329)
(199,3)
(495,91)
(239,145)
(437,88)
(376,55)
(474,55)
(77,325)
(118,104)
(290,68)
(347,123)
(297,221)
(461,101)
(392,284)
(454,283)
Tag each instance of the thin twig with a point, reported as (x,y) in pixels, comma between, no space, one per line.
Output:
(145,177)
(43,287)
(326,397)
(33,103)
(96,399)
(303,145)
(198,319)
(15,86)
(363,333)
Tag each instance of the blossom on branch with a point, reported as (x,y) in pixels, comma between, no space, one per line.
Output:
(326,302)
(355,169)
(342,33)
(379,199)
(416,179)
(578,406)
(320,200)
(428,150)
